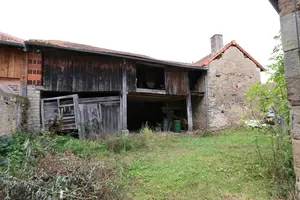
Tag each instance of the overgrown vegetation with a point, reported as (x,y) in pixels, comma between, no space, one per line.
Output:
(50,166)
(166,166)
(273,95)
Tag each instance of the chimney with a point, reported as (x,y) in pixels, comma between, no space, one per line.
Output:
(216,42)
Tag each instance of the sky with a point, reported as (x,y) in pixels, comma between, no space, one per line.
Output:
(164,29)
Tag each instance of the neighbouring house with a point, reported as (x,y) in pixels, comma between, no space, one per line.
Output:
(289,20)
(231,71)
(96,91)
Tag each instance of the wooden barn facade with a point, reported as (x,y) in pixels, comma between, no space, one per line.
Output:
(98,91)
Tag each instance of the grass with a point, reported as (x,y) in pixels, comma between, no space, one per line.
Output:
(184,167)
(152,166)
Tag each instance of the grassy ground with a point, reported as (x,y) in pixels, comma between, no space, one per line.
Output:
(146,166)
(185,167)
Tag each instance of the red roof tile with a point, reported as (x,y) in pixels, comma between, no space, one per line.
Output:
(207,59)
(10,39)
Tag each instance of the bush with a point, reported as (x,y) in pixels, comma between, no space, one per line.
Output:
(38,171)
(132,142)
(68,178)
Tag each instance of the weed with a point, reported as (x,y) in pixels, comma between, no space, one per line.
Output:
(206,133)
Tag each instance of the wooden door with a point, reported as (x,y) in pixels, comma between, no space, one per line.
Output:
(99,116)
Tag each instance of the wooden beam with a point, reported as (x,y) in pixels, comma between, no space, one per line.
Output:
(23,76)
(99,99)
(189,112)
(124,93)
(150,91)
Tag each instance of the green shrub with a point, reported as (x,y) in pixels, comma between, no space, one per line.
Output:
(206,133)
(146,130)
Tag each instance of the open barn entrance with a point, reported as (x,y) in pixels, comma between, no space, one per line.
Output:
(144,108)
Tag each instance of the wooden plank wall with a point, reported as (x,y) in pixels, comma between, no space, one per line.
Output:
(12,60)
(176,80)
(75,72)
(99,116)
(131,76)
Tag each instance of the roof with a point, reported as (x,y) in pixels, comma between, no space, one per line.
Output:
(97,50)
(207,59)
(275,5)
(10,40)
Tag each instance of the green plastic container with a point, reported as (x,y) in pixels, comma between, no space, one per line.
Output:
(177,126)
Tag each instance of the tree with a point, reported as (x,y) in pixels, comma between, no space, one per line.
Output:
(273,94)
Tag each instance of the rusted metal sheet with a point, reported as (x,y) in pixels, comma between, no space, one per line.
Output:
(176,81)
(75,72)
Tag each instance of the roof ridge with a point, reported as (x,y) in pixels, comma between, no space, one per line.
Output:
(209,58)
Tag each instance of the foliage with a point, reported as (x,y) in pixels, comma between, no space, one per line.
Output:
(38,171)
(273,95)
(207,133)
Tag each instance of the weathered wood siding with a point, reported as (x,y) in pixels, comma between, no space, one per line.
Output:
(99,117)
(12,61)
(176,80)
(131,76)
(75,72)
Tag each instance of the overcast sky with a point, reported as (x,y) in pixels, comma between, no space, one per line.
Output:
(164,29)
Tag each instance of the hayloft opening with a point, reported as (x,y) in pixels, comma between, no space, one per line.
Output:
(149,77)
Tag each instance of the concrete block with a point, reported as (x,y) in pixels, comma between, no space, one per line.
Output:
(288,32)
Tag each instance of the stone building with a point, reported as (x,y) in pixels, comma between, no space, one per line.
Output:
(231,71)
(289,20)
(209,94)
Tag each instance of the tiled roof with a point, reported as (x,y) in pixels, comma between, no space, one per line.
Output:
(10,39)
(207,59)
(92,49)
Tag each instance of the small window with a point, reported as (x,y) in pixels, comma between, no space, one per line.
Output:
(29,61)
(34,61)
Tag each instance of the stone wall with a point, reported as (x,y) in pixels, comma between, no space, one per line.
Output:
(34,119)
(13,112)
(199,106)
(292,73)
(228,78)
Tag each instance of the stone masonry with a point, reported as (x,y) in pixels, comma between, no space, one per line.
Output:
(34,113)
(8,110)
(228,78)
(292,73)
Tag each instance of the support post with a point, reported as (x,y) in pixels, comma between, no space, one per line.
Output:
(206,102)
(189,112)
(23,76)
(123,101)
